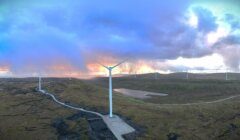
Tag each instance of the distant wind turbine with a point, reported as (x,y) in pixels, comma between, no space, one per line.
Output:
(110,68)
(156,75)
(187,76)
(226,76)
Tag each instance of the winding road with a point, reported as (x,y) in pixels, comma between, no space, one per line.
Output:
(145,94)
(76,108)
(199,103)
(117,126)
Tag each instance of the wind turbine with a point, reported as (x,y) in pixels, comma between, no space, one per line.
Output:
(187,74)
(156,75)
(226,76)
(110,68)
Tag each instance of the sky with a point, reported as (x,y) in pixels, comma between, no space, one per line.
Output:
(69,38)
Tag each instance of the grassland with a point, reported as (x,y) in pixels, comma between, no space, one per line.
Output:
(210,121)
(179,90)
(27,115)
(219,121)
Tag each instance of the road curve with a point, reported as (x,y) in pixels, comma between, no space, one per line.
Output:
(72,107)
(116,125)
(199,103)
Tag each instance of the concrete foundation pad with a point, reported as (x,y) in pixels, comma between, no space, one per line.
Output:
(118,126)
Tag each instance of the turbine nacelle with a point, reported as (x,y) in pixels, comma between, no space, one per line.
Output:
(109,67)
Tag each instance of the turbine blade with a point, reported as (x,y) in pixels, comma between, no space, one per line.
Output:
(103,65)
(120,63)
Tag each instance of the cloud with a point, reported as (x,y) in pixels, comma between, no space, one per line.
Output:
(43,35)
(232,20)
(229,48)
(231,54)
(206,20)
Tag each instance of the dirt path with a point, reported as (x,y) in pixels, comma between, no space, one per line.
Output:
(199,103)
(117,126)
(144,94)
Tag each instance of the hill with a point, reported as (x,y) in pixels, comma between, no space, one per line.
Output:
(151,119)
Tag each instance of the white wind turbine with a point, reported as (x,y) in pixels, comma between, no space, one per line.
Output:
(110,68)
(226,74)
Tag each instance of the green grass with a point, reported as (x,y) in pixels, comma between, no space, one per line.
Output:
(27,115)
(211,121)
(220,121)
(179,90)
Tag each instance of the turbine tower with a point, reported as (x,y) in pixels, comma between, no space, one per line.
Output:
(156,75)
(187,76)
(40,83)
(226,76)
(110,68)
